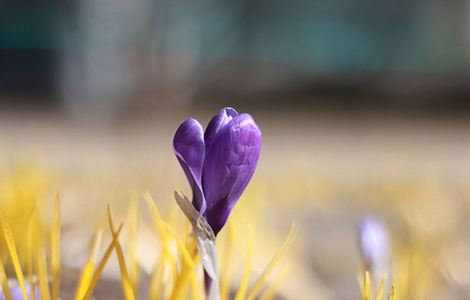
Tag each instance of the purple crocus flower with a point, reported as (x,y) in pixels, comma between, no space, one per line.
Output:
(374,246)
(219,162)
(373,242)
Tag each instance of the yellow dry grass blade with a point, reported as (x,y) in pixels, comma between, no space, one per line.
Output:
(101,265)
(29,252)
(181,247)
(127,287)
(133,219)
(393,293)
(273,288)
(366,287)
(190,260)
(197,293)
(381,292)
(86,275)
(167,259)
(55,250)
(10,241)
(271,291)
(246,273)
(160,226)
(4,282)
(187,271)
(226,256)
(155,281)
(42,271)
(274,262)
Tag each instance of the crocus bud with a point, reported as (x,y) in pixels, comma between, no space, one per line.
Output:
(218,163)
(374,247)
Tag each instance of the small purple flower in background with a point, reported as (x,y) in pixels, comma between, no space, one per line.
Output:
(374,246)
(219,162)
(17,294)
(373,242)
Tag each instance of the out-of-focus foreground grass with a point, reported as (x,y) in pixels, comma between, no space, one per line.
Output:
(323,172)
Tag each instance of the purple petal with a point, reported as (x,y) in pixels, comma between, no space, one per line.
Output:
(229,166)
(219,121)
(189,149)
(374,243)
(17,294)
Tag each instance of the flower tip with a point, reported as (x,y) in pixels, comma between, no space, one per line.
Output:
(373,242)
(228,111)
(188,128)
(246,120)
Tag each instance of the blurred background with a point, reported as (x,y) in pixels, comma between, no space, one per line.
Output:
(364,108)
